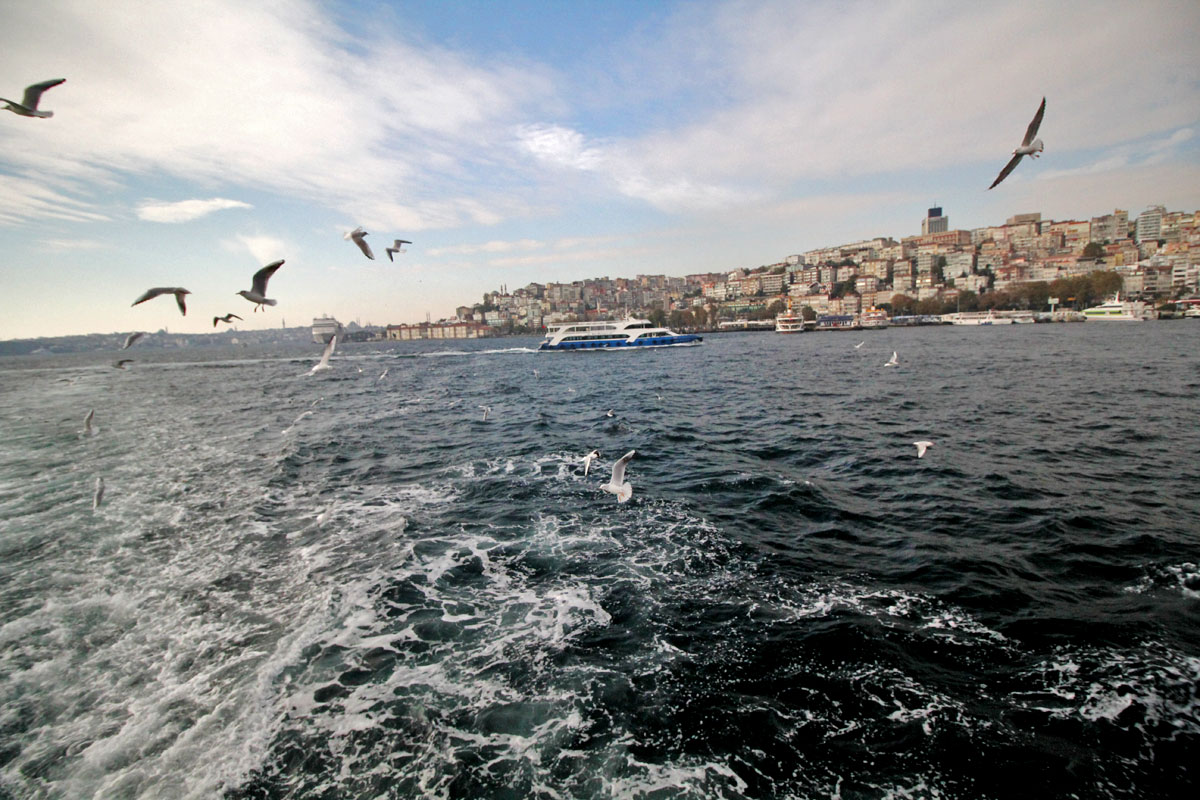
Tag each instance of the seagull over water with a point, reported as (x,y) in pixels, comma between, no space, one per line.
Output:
(922,447)
(617,484)
(860,344)
(894,361)
(131,338)
(227,318)
(28,107)
(398,247)
(87,423)
(323,364)
(99,493)
(121,362)
(1029,146)
(258,286)
(357,235)
(175,290)
(588,459)
(486,411)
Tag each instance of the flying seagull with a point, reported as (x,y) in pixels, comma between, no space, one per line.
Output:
(28,107)
(383,374)
(398,247)
(617,484)
(258,287)
(175,290)
(357,235)
(323,364)
(1029,146)
(894,361)
(99,495)
(87,423)
(588,459)
(131,338)
(121,362)
(922,447)
(860,344)
(227,318)
(486,411)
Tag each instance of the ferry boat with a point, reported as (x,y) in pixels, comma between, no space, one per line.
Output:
(616,333)
(873,318)
(1116,310)
(789,322)
(979,318)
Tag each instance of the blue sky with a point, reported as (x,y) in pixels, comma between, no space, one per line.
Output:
(534,141)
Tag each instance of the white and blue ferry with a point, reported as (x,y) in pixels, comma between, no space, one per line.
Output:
(617,333)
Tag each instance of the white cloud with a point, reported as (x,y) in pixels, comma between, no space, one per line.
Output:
(495,246)
(185,210)
(264,249)
(268,96)
(25,198)
(75,244)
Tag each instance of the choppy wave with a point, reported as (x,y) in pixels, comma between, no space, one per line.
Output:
(341,586)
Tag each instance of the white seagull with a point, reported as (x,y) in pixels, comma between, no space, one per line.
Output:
(28,107)
(87,423)
(357,235)
(894,361)
(860,344)
(922,447)
(486,409)
(398,247)
(588,459)
(175,290)
(323,364)
(617,484)
(383,374)
(99,494)
(258,286)
(1029,146)
(131,338)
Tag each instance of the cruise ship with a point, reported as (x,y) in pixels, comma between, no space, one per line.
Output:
(1116,310)
(617,333)
(324,329)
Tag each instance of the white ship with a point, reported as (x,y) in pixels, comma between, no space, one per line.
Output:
(979,318)
(873,318)
(1116,310)
(618,333)
(789,322)
(325,328)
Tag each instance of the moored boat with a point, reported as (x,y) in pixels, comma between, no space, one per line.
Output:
(615,333)
(873,318)
(1116,310)
(789,322)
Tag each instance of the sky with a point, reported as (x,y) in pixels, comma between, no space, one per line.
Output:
(518,142)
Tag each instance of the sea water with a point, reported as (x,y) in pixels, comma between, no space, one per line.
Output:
(354,586)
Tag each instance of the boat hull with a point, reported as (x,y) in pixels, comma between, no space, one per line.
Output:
(657,341)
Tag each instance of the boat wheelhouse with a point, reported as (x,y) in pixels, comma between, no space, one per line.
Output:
(616,333)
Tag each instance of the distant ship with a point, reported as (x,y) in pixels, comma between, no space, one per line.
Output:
(789,322)
(1116,311)
(873,318)
(325,328)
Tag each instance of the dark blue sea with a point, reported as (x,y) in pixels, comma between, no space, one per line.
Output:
(351,585)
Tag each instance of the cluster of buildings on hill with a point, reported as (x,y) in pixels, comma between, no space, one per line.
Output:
(1156,254)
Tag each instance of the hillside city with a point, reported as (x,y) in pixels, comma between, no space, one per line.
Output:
(1023,263)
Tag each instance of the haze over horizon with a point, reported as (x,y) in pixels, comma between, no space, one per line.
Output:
(192,143)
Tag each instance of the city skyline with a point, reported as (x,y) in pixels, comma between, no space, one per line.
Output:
(546,142)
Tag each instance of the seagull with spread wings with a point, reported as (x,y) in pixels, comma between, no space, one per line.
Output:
(258,287)
(28,107)
(175,290)
(358,236)
(1029,146)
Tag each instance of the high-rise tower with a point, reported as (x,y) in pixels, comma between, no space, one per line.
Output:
(935,222)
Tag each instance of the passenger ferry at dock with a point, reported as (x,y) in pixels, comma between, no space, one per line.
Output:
(1116,310)
(873,318)
(617,333)
(789,322)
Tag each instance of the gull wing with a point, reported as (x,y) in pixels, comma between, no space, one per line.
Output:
(259,284)
(153,293)
(34,93)
(179,300)
(1032,130)
(131,338)
(618,473)
(1009,167)
(330,346)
